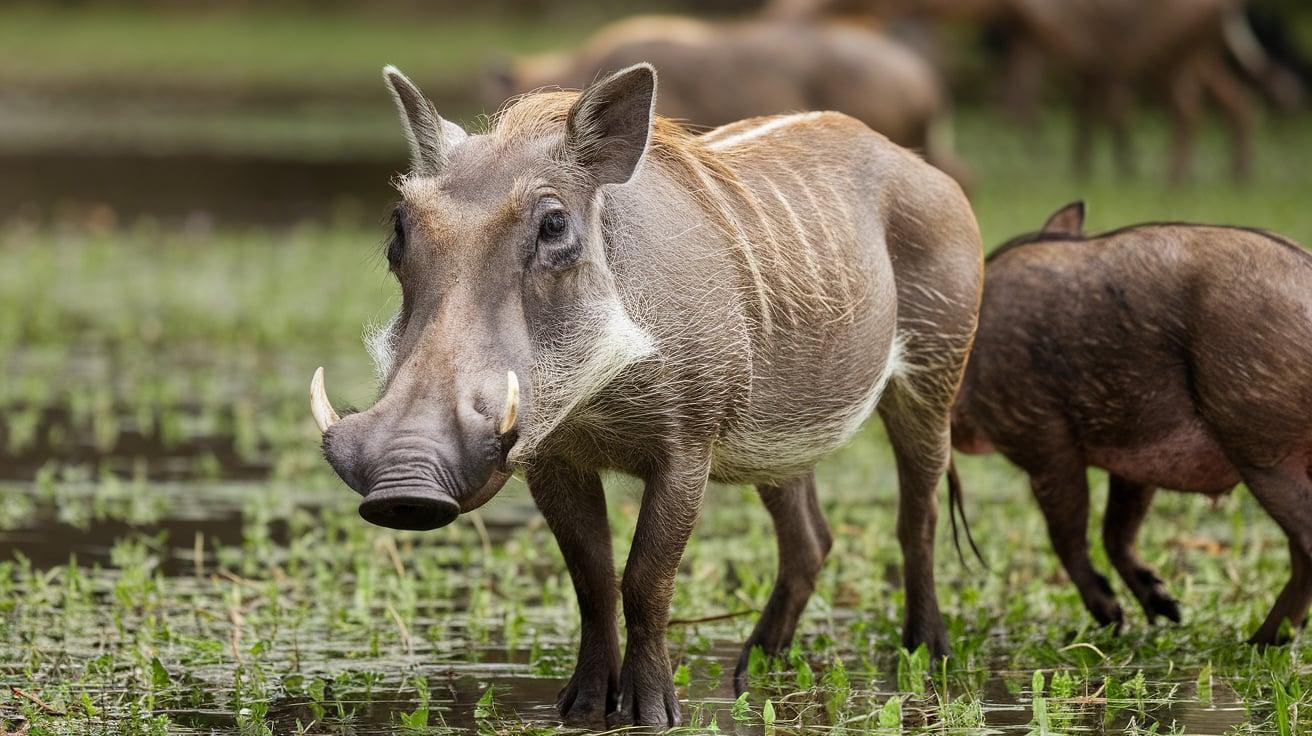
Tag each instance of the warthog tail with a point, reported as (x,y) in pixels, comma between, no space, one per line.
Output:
(956,507)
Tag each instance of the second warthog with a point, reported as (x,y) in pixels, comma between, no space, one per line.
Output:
(1170,355)
(717,72)
(588,286)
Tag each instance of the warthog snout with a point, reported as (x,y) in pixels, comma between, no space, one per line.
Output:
(413,479)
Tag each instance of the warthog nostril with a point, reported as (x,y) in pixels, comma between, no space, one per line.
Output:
(420,508)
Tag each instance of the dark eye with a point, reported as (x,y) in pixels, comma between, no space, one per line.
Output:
(554,224)
(396,243)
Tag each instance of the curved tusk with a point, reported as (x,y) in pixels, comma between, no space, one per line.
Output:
(322,409)
(510,414)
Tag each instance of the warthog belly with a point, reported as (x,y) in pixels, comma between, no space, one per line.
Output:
(1188,458)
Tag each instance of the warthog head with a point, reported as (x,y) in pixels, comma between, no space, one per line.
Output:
(510,315)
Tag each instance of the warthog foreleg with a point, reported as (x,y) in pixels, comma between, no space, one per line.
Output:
(574,505)
(803,541)
(1231,94)
(1185,92)
(671,502)
(1127,504)
(1285,491)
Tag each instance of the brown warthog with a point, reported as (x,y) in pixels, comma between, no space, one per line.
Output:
(1112,48)
(714,73)
(1170,355)
(589,286)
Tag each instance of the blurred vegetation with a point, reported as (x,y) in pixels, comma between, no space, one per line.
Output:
(259,77)
(268,50)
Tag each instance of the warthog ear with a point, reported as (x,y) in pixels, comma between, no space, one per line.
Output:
(609,125)
(431,138)
(1068,220)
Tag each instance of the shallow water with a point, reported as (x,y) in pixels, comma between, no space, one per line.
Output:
(193,189)
(367,686)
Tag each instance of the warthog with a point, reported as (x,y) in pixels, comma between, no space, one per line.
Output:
(718,72)
(1169,355)
(589,286)
(1112,51)
(1112,48)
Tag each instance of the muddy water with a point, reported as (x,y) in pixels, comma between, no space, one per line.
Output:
(197,190)
(58,437)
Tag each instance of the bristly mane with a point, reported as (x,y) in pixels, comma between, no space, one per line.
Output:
(1037,236)
(540,114)
(1042,237)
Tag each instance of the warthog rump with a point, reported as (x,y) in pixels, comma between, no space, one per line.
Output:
(587,285)
(1170,355)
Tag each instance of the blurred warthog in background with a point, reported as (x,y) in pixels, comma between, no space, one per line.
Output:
(1110,54)
(713,73)
(1113,48)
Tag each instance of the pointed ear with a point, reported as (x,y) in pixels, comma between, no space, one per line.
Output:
(609,126)
(1068,220)
(431,138)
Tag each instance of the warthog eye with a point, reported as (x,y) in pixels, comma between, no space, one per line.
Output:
(554,224)
(558,245)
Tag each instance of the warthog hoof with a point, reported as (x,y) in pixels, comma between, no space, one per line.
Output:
(591,694)
(1101,602)
(927,629)
(647,695)
(1154,598)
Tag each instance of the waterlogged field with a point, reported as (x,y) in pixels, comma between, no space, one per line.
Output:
(176,558)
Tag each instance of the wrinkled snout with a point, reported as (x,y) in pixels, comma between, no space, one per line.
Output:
(417,465)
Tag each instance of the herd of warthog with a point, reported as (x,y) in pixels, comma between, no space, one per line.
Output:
(588,286)
(1108,53)
(877,61)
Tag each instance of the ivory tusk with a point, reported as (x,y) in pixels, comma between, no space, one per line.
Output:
(510,413)
(322,409)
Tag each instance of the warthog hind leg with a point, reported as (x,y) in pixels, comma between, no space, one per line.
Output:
(920,437)
(803,541)
(938,271)
(1285,491)
(574,505)
(1127,504)
(1062,490)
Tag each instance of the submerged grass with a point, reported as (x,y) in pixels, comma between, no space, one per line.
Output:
(175,557)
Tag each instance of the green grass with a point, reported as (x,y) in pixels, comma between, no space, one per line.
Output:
(295,612)
(1025,176)
(261,48)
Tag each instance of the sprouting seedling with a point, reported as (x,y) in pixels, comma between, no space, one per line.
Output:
(485,708)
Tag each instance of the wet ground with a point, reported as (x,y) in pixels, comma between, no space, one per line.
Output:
(170,574)
(218,579)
